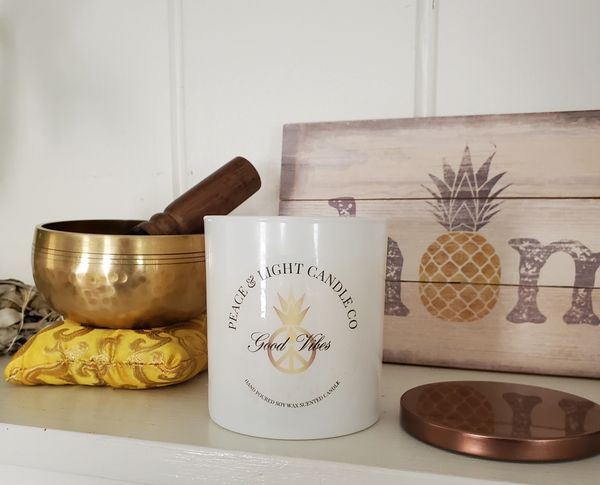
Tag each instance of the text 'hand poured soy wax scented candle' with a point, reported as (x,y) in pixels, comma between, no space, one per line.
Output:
(295,324)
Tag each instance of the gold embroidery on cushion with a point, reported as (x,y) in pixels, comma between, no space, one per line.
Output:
(28,344)
(41,373)
(99,363)
(63,335)
(153,340)
(73,354)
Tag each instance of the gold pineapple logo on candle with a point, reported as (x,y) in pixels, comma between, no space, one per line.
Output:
(296,356)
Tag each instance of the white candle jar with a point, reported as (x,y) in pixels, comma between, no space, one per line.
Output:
(295,324)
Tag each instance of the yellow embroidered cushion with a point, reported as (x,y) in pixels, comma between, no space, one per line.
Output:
(70,353)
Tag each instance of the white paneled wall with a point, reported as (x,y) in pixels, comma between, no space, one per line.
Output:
(250,67)
(84,115)
(108,107)
(503,56)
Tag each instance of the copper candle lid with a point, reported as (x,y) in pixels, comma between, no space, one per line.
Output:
(502,421)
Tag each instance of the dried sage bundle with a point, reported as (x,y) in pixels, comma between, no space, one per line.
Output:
(23,312)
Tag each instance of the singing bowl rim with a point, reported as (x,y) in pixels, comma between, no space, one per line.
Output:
(57,238)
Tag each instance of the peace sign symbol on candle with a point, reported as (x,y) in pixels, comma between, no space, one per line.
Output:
(296,357)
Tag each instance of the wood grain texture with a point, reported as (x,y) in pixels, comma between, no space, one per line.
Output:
(544,155)
(412,226)
(493,247)
(218,194)
(494,343)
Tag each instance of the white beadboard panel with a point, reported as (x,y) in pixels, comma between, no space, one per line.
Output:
(84,115)
(426,57)
(518,56)
(250,67)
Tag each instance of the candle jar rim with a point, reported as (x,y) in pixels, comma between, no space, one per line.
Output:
(298,219)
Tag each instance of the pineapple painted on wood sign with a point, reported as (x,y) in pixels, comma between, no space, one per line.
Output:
(460,271)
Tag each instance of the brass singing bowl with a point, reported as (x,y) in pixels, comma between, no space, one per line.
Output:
(92,272)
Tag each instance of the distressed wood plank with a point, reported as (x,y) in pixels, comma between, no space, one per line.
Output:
(544,154)
(529,307)
(495,343)
(412,226)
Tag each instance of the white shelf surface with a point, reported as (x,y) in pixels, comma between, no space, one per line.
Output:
(165,436)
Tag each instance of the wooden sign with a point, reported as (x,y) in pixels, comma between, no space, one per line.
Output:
(493,225)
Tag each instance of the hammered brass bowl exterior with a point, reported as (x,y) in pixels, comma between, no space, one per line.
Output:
(93,273)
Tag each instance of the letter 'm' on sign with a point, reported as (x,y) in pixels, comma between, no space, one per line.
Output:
(533,257)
